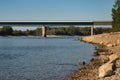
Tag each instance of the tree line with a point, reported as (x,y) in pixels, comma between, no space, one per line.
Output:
(8,30)
(71,31)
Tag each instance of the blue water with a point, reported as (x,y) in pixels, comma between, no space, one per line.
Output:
(36,58)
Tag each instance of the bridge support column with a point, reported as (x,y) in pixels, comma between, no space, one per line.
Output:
(44,31)
(92,30)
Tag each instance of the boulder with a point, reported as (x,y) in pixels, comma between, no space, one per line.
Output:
(95,53)
(117,63)
(113,57)
(109,45)
(106,70)
(104,58)
(82,63)
(105,53)
(102,53)
(110,52)
(91,60)
(101,42)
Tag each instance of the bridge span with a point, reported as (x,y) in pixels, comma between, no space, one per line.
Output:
(55,22)
(50,23)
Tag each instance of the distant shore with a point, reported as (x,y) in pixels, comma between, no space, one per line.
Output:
(46,35)
(62,36)
(107,65)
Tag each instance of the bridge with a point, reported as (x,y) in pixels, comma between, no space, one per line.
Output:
(50,23)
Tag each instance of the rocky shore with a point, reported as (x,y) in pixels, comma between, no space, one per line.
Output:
(107,65)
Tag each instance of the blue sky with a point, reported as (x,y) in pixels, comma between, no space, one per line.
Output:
(40,10)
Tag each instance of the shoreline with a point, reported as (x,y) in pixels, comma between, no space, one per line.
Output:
(107,65)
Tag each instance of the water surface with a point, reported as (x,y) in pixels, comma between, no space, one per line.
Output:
(36,58)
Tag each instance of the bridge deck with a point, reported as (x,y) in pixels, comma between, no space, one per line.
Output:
(56,22)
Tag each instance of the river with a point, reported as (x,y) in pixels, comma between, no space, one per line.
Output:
(36,58)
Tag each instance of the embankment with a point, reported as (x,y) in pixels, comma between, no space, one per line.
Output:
(107,66)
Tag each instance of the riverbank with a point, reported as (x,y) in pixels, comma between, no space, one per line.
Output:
(107,65)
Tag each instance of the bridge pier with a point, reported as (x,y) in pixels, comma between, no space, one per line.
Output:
(44,28)
(92,30)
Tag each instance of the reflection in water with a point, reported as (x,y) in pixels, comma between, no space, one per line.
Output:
(36,58)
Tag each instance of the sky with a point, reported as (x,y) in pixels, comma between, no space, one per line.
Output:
(51,10)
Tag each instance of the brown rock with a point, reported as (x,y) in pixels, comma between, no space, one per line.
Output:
(106,70)
(102,53)
(101,42)
(117,63)
(109,45)
(113,57)
(82,62)
(104,58)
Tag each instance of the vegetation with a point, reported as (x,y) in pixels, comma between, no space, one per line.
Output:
(116,16)
(18,33)
(82,31)
(6,30)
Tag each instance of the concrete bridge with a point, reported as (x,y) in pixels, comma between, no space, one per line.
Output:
(50,23)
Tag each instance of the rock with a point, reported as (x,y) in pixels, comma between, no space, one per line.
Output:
(105,53)
(95,53)
(96,47)
(113,57)
(106,70)
(101,42)
(110,52)
(109,45)
(115,44)
(102,50)
(82,62)
(104,58)
(117,63)
(102,53)
(91,60)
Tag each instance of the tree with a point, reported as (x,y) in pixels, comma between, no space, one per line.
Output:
(18,33)
(70,31)
(38,31)
(29,32)
(116,14)
(6,30)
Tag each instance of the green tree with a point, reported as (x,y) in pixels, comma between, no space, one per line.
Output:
(18,33)
(116,14)
(6,30)
(29,32)
(0,31)
(60,31)
(70,30)
(85,30)
(38,32)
